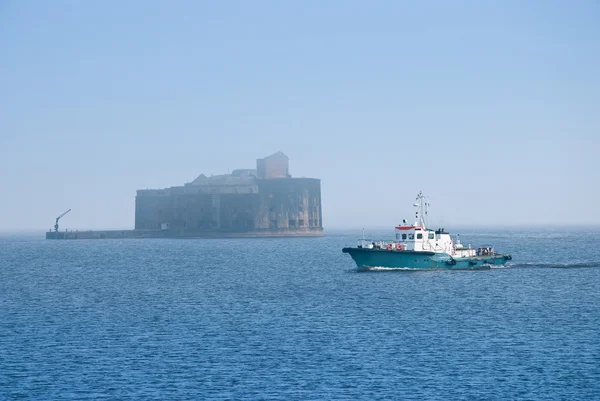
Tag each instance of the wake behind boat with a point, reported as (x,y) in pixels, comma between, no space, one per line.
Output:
(419,247)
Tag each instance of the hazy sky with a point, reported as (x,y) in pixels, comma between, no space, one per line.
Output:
(492,108)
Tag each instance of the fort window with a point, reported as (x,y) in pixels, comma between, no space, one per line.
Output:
(301,223)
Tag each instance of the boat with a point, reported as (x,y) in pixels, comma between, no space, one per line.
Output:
(418,247)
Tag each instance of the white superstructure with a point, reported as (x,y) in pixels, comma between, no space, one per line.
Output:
(417,237)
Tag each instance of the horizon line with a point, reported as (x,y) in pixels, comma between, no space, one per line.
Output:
(352,228)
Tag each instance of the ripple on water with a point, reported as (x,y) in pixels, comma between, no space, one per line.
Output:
(291,319)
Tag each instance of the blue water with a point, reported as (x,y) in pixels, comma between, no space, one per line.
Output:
(293,319)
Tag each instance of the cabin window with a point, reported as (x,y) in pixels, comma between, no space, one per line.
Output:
(419,236)
(411,236)
(397,236)
(403,236)
(431,236)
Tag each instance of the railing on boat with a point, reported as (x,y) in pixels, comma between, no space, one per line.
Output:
(434,248)
(381,244)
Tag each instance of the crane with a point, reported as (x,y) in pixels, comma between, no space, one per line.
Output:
(58,218)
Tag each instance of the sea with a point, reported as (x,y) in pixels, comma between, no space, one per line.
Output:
(294,319)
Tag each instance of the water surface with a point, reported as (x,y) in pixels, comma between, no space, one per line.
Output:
(294,319)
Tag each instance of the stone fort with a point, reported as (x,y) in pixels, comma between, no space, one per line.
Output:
(266,201)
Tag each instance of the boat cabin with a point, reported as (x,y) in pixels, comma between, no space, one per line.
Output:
(417,238)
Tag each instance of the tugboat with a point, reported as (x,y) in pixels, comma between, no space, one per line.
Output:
(418,247)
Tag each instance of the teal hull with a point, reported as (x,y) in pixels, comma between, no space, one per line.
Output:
(365,257)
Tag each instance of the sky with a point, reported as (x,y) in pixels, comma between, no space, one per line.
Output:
(491,108)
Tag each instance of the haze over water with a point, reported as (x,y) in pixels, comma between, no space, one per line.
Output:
(489,108)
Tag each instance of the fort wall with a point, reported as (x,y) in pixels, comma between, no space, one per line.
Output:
(240,202)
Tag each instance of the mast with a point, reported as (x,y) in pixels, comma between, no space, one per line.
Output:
(422,204)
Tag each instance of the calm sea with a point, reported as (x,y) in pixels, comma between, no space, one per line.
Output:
(293,319)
